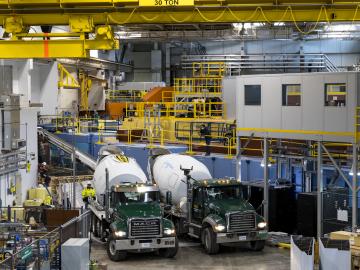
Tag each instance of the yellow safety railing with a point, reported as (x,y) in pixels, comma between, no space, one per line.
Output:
(176,109)
(357,125)
(208,69)
(66,79)
(125,95)
(201,86)
(84,124)
(220,144)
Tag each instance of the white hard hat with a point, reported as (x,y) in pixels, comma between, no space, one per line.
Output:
(88,183)
(44,163)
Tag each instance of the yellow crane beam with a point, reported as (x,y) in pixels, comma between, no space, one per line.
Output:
(97,16)
(115,12)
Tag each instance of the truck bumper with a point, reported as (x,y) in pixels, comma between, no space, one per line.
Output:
(144,244)
(222,238)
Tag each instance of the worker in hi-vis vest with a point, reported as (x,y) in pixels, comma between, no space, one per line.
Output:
(88,193)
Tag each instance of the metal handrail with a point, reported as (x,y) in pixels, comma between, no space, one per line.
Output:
(274,61)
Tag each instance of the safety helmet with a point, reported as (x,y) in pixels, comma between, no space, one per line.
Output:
(44,163)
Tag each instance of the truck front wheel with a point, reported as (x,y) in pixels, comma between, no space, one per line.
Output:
(257,245)
(209,241)
(115,255)
(169,252)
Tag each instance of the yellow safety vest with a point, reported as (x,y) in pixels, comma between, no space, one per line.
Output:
(88,192)
(48,200)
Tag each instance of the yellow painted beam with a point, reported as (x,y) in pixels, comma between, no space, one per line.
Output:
(63,48)
(214,13)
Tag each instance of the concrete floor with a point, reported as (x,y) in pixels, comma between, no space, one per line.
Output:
(191,256)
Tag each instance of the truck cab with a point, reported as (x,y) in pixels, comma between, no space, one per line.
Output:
(218,215)
(133,222)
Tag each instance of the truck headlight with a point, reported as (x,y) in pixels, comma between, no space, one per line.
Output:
(219,228)
(120,233)
(262,225)
(169,231)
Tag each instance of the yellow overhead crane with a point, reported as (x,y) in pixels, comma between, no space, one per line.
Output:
(90,21)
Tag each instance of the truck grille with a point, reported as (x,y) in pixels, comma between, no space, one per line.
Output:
(146,227)
(242,221)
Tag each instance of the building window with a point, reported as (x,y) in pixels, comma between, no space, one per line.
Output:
(335,94)
(291,95)
(253,95)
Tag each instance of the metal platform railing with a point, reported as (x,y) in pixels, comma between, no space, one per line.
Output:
(236,63)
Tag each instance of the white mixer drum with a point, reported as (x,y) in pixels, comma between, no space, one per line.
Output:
(169,177)
(121,169)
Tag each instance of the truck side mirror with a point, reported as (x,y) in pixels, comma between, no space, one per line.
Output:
(168,198)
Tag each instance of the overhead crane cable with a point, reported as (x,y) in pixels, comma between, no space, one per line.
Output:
(180,21)
(258,10)
(316,23)
(110,16)
(355,13)
(150,20)
(211,20)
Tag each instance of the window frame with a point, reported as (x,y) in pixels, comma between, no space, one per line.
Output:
(284,95)
(326,102)
(245,91)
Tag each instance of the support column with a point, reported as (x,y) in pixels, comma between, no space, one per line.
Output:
(319,189)
(238,159)
(354,188)
(266,180)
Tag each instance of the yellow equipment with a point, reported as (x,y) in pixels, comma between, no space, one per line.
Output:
(38,196)
(86,17)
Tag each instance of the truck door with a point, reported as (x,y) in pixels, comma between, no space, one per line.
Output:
(197,208)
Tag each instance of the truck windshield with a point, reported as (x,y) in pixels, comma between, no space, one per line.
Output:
(223,193)
(135,197)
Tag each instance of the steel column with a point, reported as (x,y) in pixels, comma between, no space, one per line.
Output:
(354,188)
(319,189)
(238,159)
(74,167)
(266,180)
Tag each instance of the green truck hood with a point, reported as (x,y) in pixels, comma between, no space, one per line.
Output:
(131,210)
(221,207)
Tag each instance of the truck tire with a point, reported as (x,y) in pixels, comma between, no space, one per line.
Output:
(115,255)
(169,252)
(257,245)
(209,241)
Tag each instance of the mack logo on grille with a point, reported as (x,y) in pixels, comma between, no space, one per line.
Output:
(145,223)
(145,227)
(242,221)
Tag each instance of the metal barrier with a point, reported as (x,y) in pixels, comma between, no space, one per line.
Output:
(176,109)
(208,69)
(223,143)
(235,63)
(204,86)
(45,251)
(125,95)
(86,124)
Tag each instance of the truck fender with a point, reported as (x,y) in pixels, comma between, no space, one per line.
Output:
(212,220)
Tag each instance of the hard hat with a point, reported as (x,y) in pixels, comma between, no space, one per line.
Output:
(88,183)
(44,163)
